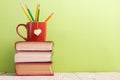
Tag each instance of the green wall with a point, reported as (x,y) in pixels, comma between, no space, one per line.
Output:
(86,33)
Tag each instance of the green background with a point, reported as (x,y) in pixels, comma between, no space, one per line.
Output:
(86,33)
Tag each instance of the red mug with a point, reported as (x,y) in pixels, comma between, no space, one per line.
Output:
(36,31)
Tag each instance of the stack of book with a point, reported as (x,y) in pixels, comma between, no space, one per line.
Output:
(33,58)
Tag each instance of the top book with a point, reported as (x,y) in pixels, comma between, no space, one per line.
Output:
(34,46)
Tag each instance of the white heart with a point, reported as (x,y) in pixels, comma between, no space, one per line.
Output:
(37,32)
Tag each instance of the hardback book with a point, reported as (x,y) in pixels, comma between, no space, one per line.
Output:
(34,46)
(33,56)
(34,69)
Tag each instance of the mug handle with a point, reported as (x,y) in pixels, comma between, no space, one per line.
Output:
(17,28)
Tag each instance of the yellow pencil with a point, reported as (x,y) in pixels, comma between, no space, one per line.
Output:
(26,13)
(48,17)
(37,13)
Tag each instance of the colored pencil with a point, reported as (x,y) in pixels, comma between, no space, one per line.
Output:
(26,13)
(29,13)
(48,17)
(37,13)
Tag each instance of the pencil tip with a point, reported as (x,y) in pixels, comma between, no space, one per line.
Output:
(52,13)
(26,6)
(38,5)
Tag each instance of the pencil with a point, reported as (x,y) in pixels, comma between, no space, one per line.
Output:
(49,17)
(30,13)
(37,13)
(26,13)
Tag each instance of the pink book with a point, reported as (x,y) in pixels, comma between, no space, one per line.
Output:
(34,46)
(33,56)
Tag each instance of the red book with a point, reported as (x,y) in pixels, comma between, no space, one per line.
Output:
(34,69)
(34,46)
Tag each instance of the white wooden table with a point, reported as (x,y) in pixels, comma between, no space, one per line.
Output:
(66,76)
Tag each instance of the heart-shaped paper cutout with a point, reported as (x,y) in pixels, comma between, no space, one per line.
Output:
(37,32)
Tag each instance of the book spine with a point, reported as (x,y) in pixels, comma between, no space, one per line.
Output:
(33,50)
(52,74)
(50,62)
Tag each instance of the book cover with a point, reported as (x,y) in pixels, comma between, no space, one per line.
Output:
(34,69)
(33,57)
(34,46)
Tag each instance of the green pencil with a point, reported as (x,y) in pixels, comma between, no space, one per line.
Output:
(38,12)
(30,13)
